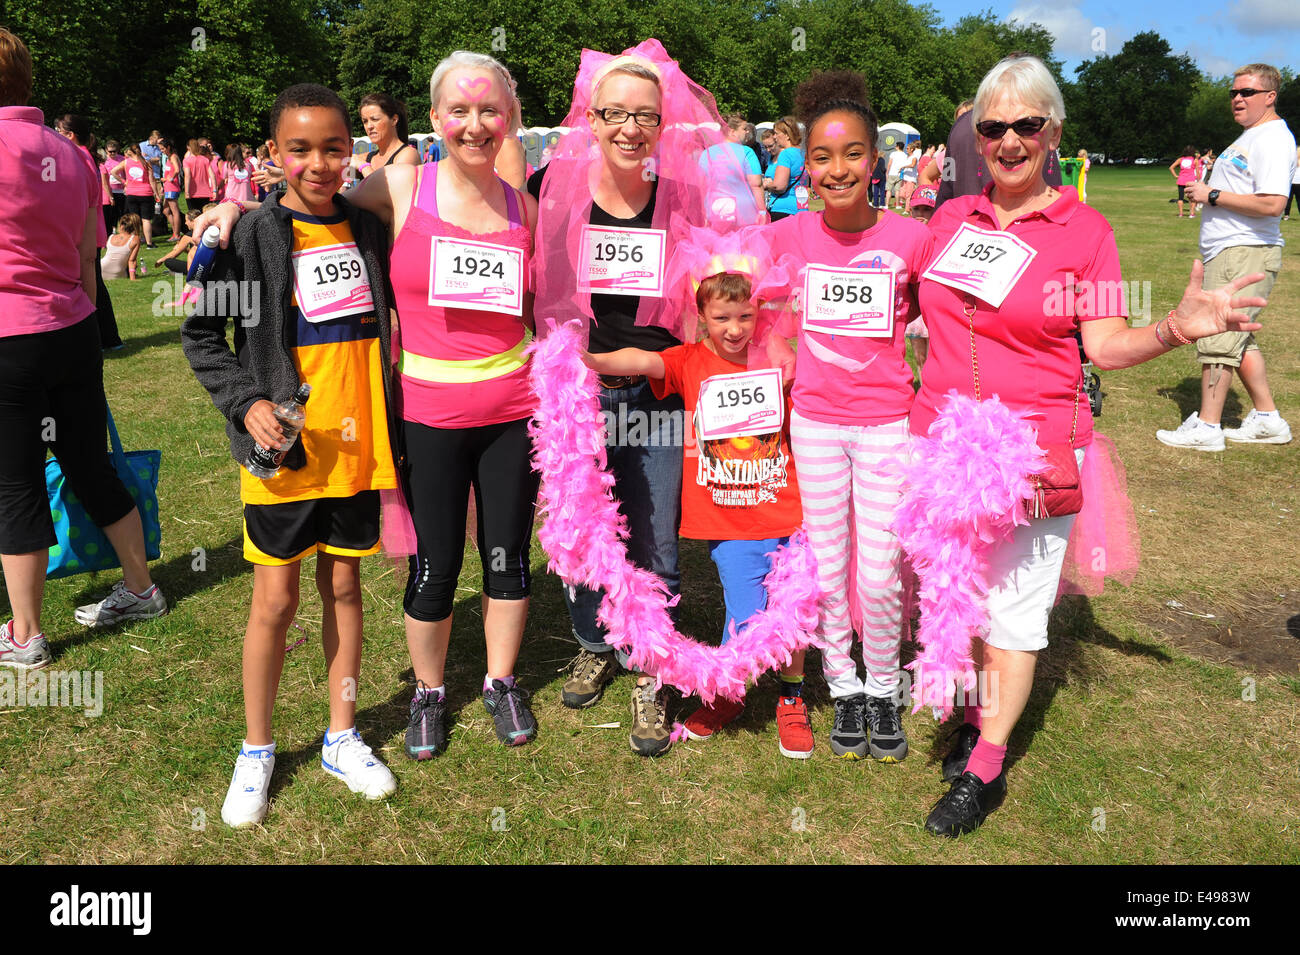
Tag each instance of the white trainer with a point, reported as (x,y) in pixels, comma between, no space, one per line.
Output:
(1193,434)
(121,605)
(352,761)
(245,804)
(1260,429)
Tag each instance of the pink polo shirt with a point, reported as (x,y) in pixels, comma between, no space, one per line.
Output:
(1027,352)
(847,379)
(48,188)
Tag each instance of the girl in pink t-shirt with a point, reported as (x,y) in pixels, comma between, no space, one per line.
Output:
(1186,170)
(236,174)
(852,394)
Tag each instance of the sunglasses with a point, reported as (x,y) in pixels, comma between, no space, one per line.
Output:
(1246,93)
(617,117)
(990,129)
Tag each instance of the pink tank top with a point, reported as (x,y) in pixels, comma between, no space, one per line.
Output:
(461,367)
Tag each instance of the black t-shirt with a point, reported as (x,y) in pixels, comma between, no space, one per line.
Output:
(615,326)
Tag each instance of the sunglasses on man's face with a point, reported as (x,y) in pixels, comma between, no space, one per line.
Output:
(1245,93)
(1028,126)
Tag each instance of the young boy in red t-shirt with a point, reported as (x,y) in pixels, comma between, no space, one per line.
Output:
(742,496)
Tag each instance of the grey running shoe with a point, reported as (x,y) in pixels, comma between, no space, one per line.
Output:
(849,734)
(650,735)
(426,733)
(589,673)
(888,742)
(508,704)
(121,605)
(32,655)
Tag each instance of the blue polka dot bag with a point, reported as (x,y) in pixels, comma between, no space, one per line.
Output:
(82,546)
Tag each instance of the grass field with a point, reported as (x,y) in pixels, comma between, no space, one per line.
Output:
(1152,735)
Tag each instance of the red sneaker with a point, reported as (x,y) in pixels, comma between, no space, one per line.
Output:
(793,728)
(707,720)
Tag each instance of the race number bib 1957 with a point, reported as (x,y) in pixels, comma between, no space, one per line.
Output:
(476,275)
(985,263)
(622,261)
(331,282)
(858,303)
(749,402)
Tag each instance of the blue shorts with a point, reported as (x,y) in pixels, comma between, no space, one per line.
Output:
(167,194)
(742,567)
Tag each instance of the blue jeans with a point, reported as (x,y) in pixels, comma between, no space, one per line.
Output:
(644,442)
(742,565)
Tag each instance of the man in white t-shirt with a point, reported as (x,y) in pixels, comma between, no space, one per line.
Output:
(1241,235)
(893,172)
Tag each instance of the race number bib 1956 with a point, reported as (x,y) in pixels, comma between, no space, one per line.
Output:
(749,402)
(622,261)
(985,263)
(476,275)
(331,282)
(858,303)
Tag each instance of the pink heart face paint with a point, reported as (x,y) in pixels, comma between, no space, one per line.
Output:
(835,129)
(474,89)
(294,167)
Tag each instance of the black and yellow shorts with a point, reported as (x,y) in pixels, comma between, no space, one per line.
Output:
(282,534)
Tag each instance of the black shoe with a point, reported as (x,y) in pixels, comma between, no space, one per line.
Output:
(954,764)
(511,714)
(888,742)
(426,733)
(966,806)
(849,734)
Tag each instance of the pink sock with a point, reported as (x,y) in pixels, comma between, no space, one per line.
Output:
(986,760)
(971,714)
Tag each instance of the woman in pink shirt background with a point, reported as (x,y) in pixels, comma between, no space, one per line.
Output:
(1186,170)
(198,176)
(171,184)
(134,171)
(236,174)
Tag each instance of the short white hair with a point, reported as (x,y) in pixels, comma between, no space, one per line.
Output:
(464,59)
(1026,78)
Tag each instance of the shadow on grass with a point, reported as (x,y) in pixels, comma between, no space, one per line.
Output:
(1187,395)
(170,335)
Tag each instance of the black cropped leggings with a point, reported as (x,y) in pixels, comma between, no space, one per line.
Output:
(443,464)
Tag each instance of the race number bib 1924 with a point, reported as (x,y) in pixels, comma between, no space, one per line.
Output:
(476,275)
(858,303)
(622,261)
(749,402)
(331,282)
(985,263)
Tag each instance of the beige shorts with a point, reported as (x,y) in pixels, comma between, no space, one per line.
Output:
(1228,347)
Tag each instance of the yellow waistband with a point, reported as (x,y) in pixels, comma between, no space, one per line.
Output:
(455,372)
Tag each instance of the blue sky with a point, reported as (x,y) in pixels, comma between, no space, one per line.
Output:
(1219,36)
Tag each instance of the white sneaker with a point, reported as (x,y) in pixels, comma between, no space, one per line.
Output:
(245,804)
(121,605)
(1193,434)
(352,761)
(1257,429)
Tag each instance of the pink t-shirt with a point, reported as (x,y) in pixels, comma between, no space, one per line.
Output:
(844,379)
(1028,355)
(1188,171)
(197,167)
(139,180)
(239,181)
(49,187)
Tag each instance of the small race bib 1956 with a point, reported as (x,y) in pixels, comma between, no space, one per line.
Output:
(331,282)
(476,275)
(748,402)
(858,303)
(622,261)
(985,263)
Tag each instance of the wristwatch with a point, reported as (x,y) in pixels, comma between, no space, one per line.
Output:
(1213,197)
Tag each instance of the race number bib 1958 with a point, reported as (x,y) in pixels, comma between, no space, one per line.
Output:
(858,303)
(749,402)
(476,275)
(622,261)
(331,282)
(985,263)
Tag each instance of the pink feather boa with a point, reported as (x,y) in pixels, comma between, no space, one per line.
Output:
(964,492)
(583,534)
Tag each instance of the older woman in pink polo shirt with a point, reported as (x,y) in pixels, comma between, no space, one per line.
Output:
(1028,356)
(51,369)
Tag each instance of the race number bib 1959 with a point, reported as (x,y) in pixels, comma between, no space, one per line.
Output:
(476,275)
(331,282)
(858,303)
(749,402)
(985,263)
(622,261)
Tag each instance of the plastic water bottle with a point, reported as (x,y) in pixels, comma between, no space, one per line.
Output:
(292,415)
(205,257)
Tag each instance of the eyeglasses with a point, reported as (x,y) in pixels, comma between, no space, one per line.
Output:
(617,117)
(1246,93)
(1028,126)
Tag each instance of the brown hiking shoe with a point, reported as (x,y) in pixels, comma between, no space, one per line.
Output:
(589,674)
(651,735)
